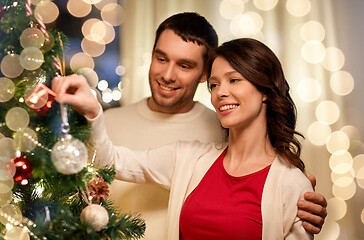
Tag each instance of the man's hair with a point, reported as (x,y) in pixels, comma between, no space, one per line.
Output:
(260,66)
(191,27)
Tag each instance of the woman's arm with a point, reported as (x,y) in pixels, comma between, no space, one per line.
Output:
(148,166)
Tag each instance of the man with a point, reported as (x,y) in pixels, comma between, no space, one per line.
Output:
(180,61)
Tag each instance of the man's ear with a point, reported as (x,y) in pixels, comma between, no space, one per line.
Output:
(204,77)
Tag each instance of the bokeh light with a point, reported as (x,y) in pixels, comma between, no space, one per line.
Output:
(101,4)
(25,139)
(98,31)
(10,66)
(342,83)
(362,216)
(318,133)
(5,198)
(48,10)
(78,8)
(309,89)
(31,58)
(344,193)
(7,89)
(298,8)
(334,59)
(102,85)
(17,233)
(327,112)
(246,24)
(6,186)
(231,8)
(120,70)
(343,180)
(17,118)
(337,141)
(81,60)
(336,208)
(7,149)
(313,51)
(312,31)
(10,210)
(116,94)
(341,162)
(107,95)
(7,170)
(92,1)
(92,48)
(265,5)
(330,230)
(90,75)
(360,178)
(32,37)
(113,13)
(358,163)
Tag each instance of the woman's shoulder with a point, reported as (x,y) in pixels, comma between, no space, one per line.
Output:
(289,174)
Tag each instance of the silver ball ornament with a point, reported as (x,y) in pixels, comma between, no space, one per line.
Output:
(69,155)
(95,215)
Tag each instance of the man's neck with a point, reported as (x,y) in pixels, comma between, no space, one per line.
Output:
(153,106)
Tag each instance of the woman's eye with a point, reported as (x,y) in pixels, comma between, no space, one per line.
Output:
(234,80)
(212,85)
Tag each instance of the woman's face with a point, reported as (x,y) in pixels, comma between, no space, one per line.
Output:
(237,101)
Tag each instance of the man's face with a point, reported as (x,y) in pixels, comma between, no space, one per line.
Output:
(176,70)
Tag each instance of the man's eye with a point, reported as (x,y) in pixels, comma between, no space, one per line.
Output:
(184,66)
(161,59)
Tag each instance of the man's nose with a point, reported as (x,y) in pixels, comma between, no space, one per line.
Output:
(169,74)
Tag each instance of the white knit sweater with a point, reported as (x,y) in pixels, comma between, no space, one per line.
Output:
(180,166)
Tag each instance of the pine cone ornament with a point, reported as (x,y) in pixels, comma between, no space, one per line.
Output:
(98,189)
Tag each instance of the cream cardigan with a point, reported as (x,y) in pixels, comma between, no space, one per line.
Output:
(179,167)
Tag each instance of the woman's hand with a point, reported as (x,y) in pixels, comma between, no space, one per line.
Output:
(75,90)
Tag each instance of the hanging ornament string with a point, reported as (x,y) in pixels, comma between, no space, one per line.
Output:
(28,5)
(69,155)
(65,126)
(42,26)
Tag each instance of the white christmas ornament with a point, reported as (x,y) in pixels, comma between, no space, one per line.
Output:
(95,215)
(69,155)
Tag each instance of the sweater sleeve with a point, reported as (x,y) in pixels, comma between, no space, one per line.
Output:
(293,188)
(149,166)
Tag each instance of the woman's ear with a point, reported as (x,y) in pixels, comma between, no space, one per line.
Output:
(265,98)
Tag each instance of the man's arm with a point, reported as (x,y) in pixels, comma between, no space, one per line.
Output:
(312,210)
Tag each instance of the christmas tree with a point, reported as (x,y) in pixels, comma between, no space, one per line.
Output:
(49,187)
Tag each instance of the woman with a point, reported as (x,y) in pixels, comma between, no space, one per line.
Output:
(244,188)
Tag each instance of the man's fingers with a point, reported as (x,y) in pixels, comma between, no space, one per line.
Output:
(315,198)
(312,208)
(311,228)
(313,181)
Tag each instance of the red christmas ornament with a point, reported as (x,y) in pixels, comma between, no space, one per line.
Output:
(23,169)
(41,99)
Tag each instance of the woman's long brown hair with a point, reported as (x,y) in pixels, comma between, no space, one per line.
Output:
(259,65)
